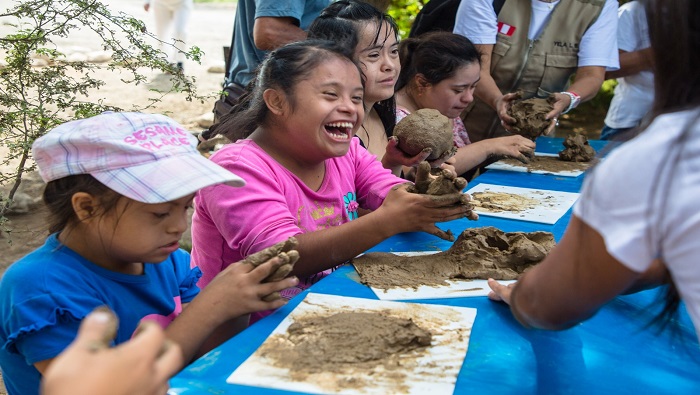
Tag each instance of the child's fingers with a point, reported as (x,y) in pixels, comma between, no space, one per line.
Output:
(97,330)
(449,236)
(270,291)
(264,270)
(265,255)
(433,201)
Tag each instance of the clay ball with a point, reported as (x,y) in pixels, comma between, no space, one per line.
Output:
(425,128)
(530,115)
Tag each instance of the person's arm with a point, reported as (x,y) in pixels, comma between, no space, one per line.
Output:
(572,282)
(632,63)
(472,155)
(487,90)
(587,83)
(273,32)
(401,211)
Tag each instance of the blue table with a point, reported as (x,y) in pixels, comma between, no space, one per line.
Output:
(612,353)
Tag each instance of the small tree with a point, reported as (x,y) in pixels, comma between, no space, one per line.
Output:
(33,100)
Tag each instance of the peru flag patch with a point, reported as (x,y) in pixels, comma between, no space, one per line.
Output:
(503,28)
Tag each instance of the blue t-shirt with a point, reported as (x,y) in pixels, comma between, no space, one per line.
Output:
(245,56)
(44,295)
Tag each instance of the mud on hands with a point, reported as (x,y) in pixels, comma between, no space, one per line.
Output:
(442,185)
(288,255)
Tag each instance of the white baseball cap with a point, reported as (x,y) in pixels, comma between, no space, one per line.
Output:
(149,158)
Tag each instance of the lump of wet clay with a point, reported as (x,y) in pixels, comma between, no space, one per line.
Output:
(530,115)
(286,251)
(577,149)
(479,253)
(426,128)
(442,182)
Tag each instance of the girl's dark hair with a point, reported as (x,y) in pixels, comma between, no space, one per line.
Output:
(342,22)
(436,55)
(674,26)
(282,69)
(58,193)
(674,29)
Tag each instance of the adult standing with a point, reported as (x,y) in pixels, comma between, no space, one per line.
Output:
(629,230)
(259,26)
(171,15)
(263,25)
(535,46)
(634,94)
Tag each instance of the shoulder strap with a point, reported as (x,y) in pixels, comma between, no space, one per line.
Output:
(435,15)
(497,5)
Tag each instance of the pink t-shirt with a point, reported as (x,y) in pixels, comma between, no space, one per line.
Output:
(459,131)
(232,223)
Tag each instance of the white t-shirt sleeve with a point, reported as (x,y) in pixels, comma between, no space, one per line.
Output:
(642,199)
(599,42)
(477,21)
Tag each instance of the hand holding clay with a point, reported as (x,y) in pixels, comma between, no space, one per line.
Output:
(394,156)
(533,117)
(403,211)
(503,105)
(288,256)
(251,285)
(441,183)
(517,147)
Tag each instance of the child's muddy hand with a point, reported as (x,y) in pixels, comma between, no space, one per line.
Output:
(449,236)
(395,156)
(523,158)
(281,272)
(268,253)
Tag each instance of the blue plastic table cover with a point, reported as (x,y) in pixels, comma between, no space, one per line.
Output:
(614,352)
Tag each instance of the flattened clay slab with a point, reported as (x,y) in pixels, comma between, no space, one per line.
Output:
(543,163)
(478,254)
(425,369)
(544,206)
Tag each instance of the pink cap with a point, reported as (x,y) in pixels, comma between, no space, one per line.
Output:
(149,158)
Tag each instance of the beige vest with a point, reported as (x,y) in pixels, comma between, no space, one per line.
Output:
(536,67)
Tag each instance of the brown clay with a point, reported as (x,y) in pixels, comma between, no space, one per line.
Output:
(286,251)
(441,182)
(548,163)
(479,253)
(530,115)
(426,128)
(577,149)
(335,342)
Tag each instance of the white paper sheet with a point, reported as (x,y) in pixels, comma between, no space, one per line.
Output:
(432,370)
(552,204)
(521,167)
(453,289)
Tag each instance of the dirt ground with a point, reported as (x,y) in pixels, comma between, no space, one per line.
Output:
(210,29)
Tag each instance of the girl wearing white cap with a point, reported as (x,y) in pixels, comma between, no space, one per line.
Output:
(118,189)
